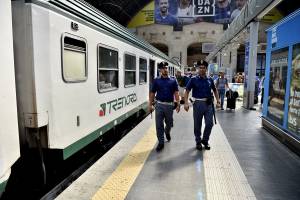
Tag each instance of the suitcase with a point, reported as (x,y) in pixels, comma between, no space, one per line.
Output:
(231,99)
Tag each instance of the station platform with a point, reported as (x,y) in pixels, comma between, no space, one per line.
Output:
(245,162)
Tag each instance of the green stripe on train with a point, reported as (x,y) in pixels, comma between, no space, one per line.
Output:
(73,148)
(2,186)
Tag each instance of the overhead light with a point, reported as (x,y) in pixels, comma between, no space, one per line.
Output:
(268,9)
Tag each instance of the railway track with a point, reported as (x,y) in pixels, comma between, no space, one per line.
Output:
(26,183)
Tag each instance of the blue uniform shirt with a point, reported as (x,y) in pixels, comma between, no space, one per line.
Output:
(201,87)
(165,88)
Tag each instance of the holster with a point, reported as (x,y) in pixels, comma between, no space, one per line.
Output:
(209,100)
(175,105)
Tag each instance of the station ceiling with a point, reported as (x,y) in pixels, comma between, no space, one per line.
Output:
(120,10)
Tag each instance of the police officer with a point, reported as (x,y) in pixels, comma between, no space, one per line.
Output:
(165,88)
(202,87)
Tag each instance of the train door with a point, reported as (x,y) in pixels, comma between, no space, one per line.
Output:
(152,70)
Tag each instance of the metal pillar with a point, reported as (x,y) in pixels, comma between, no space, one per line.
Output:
(220,59)
(250,66)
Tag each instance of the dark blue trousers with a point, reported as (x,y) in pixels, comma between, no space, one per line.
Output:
(163,114)
(222,96)
(200,110)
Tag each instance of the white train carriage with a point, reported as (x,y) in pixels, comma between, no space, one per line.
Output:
(9,135)
(79,73)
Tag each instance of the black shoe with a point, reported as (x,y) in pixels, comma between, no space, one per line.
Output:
(199,146)
(159,147)
(206,145)
(168,136)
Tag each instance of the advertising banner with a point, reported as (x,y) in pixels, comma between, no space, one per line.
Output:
(183,12)
(143,17)
(277,85)
(294,102)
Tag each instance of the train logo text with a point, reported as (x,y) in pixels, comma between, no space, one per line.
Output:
(116,104)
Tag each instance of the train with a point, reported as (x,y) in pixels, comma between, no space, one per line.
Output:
(9,134)
(70,75)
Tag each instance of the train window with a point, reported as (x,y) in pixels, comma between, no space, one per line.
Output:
(74,58)
(130,70)
(143,71)
(108,69)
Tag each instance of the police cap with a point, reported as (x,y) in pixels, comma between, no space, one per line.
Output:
(162,65)
(202,62)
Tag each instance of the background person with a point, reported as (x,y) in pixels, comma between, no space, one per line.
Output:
(262,82)
(256,89)
(181,83)
(222,85)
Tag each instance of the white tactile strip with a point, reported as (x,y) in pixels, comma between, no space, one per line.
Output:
(224,176)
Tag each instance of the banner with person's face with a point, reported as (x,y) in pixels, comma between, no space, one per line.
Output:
(181,12)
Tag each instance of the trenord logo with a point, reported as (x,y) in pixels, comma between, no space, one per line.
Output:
(116,104)
(102,110)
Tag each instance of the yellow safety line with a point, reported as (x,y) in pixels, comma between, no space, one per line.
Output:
(119,183)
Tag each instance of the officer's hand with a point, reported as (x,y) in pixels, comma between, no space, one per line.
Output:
(178,108)
(186,107)
(150,108)
(218,104)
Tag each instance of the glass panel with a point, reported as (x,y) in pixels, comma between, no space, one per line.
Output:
(130,62)
(108,58)
(129,78)
(108,79)
(74,65)
(143,77)
(143,64)
(294,103)
(277,85)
